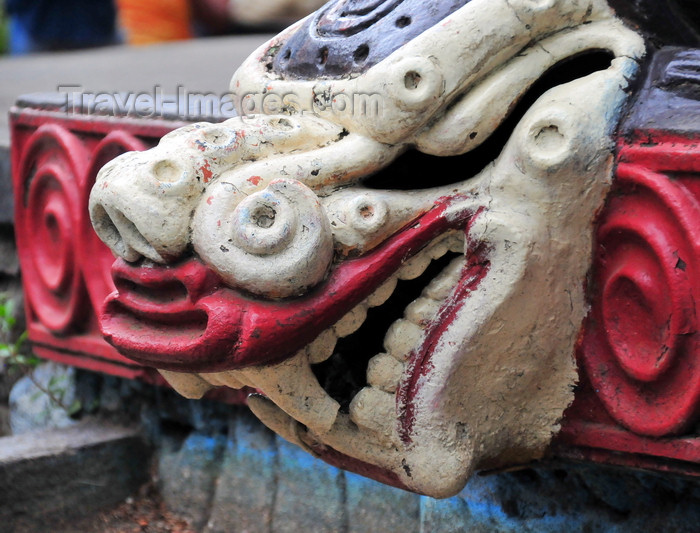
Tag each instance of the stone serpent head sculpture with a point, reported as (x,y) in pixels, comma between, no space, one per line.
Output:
(391,242)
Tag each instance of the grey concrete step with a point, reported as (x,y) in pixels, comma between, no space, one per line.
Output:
(52,477)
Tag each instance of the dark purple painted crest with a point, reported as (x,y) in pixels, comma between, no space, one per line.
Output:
(349,36)
(663,22)
(669,100)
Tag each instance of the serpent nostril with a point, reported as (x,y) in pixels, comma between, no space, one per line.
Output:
(108,232)
(121,234)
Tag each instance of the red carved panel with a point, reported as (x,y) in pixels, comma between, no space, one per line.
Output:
(65,266)
(640,351)
(638,397)
(52,166)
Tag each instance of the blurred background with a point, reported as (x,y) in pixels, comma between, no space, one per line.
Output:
(28,26)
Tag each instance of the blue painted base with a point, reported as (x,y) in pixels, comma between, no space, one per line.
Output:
(227,472)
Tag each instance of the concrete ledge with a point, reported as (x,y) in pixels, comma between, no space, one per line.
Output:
(51,477)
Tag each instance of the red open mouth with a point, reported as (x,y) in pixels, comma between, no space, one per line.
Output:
(183,318)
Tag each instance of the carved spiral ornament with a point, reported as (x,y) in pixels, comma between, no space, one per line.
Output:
(52,168)
(352,16)
(642,346)
(275,242)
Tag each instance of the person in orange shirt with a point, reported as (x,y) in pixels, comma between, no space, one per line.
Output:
(153,21)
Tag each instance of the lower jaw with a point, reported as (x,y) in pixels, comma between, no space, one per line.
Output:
(368,440)
(424,468)
(351,464)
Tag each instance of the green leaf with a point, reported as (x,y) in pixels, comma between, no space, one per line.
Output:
(74,408)
(22,339)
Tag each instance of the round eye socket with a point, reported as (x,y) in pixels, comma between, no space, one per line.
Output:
(167,171)
(264,216)
(263,224)
(368,214)
(548,142)
(412,80)
(416,82)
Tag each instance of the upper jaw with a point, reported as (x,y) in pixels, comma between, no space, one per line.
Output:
(184,318)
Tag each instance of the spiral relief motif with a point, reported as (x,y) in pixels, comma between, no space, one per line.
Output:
(52,168)
(275,242)
(642,347)
(93,251)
